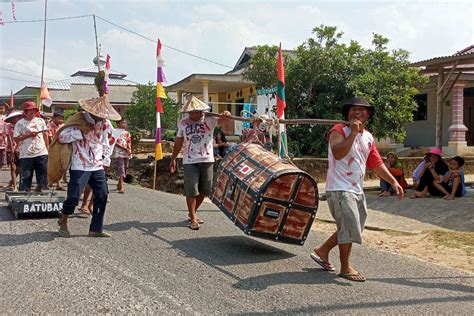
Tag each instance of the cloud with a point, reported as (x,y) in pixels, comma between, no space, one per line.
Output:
(33,68)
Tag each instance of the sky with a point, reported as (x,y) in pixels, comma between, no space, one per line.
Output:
(215,30)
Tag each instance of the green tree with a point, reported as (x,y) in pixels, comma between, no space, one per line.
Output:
(323,72)
(142,112)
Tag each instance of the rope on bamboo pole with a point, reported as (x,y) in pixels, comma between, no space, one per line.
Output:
(277,121)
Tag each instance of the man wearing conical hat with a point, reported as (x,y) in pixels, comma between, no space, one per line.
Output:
(196,134)
(83,134)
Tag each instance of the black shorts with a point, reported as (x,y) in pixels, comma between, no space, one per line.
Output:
(449,188)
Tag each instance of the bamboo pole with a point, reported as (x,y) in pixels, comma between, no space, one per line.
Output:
(286,121)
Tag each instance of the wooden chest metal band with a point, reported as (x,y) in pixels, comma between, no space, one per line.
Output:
(264,196)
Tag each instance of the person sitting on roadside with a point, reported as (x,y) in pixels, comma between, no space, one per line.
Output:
(395,168)
(431,172)
(416,175)
(220,145)
(452,184)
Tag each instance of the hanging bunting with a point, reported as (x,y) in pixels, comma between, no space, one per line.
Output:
(13,10)
(1,18)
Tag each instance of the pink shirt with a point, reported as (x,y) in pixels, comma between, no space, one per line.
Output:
(3,132)
(123,141)
(348,173)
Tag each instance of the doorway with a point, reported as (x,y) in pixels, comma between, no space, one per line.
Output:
(469,115)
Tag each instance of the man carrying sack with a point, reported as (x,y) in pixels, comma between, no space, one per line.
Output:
(79,143)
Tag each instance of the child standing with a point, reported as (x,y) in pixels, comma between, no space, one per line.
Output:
(13,155)
(122,152)
(452,184)
(3,137)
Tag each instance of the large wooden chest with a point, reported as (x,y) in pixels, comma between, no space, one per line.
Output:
(265,196)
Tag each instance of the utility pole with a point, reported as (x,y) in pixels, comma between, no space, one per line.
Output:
(44,44)
(96,44)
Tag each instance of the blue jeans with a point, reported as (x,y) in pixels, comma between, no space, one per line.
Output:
(98,183)
(385,186)
(37,164)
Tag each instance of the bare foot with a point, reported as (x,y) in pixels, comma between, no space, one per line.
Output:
(450,198)
(386,193)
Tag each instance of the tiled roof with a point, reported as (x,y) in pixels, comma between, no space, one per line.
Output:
(66,83)
(462,53)
(92,71)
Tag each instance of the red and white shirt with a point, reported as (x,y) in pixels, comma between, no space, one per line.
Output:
(53,128)
(33,146)
(87,149)
(123,145)
(3,132)
(348,173)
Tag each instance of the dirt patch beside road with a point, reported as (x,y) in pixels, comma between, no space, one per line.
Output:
(443,247)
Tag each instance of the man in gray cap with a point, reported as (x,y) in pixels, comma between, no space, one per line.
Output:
(351,150)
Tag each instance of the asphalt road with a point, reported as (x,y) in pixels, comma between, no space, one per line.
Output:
(155,264)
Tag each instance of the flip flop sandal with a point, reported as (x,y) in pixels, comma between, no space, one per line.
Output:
(200,221)
(324,264)
(64,233)
(84,211)
(99,235)
(194,226)
(355,277)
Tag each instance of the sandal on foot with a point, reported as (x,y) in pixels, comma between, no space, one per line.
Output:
(194,225)
(64,233)
(326,265)
(99,235)
(356,277)
(84,210)
(200,221)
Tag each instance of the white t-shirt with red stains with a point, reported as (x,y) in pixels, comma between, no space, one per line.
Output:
(33,146)
(198,139)
(348,173)
(87,149)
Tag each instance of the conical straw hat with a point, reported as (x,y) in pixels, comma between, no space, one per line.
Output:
(100,107)
(194,105)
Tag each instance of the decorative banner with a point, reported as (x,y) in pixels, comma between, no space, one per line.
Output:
(13,11)
(160,94)
(1,18)
(281,105)
(12,101)
(107,70)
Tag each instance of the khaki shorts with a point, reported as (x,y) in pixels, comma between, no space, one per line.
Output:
(350,212)
(198,178)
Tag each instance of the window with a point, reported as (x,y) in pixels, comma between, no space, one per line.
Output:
(421,114)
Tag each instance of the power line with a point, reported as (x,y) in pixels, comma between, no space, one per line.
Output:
(125,29)
(24,73)
(167,46)
(53,19)
(15,79)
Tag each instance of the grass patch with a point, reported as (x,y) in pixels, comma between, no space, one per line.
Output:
(450,239)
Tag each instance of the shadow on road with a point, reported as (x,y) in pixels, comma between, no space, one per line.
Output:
(10,240)
(341,306)
(455,215)
(421,282)
(306,276)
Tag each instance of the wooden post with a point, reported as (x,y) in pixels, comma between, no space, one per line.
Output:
(154,172)
(439,108)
